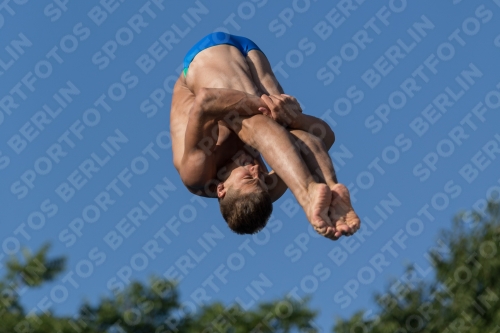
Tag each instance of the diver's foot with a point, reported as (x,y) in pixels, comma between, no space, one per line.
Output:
(320,198)
(341,213)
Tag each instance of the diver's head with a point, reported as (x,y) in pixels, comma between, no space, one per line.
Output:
(244,199)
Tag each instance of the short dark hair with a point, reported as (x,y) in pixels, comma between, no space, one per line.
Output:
(246,213)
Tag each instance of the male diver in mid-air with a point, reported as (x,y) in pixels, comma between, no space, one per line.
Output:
(228,109)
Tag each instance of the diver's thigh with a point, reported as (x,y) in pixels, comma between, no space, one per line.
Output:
(262,73)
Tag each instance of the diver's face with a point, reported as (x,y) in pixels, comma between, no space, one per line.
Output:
(247,177)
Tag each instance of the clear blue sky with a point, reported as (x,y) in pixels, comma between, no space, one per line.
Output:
(85,100)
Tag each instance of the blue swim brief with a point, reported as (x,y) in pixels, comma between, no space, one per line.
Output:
(243,44)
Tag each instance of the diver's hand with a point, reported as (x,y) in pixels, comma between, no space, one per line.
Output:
(285,109)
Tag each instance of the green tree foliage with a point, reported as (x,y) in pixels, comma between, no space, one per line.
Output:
(463,295)
(34,270)
(30,271)
(278,316)
(153,307)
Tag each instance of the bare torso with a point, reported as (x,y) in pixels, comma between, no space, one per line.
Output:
(221,66)
(224,66)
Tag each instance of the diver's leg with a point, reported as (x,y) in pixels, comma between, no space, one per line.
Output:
(313,151)
(262,73)
(319,163)
(277,146)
